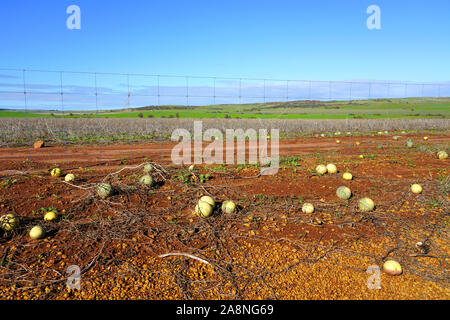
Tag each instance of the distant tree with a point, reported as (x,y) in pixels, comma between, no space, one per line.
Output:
(150,116)
(140,115)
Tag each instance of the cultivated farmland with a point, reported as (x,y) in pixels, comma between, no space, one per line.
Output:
(145,241)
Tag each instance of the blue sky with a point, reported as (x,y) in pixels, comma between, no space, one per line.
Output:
(315,40)
(318,40)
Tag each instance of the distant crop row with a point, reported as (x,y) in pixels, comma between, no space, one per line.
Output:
(21,130)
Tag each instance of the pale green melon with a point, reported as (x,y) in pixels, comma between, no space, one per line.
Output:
(37,232)
(442,155)
(9,222)
(69,177)
(416,188)
(307,208)
(104,189)
(203,209)
(344,192)
(147,180)
(331,168)
(366,204)
(228,206)
(409,143)
(321,169)
(148,168)
(209,200)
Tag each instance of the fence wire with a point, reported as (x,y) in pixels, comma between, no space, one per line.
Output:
(68,95)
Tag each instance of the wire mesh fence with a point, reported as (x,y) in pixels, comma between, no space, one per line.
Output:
(39,99)
(94,91)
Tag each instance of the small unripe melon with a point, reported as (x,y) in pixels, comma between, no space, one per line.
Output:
(361,156)
(147,180)
(69,177)
(148,168)
(392,267)
(307,208)
(321,169)
(104,189)
(203,209)
(347,176)
(331,168)
(409,143)
(9,222)
(416,188)
(37,232)
(366,204)
(50,216)
(442,155)
(209,200)
(344,192)
(228,206)
(56,172)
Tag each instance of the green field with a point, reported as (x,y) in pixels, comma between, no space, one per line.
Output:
(359,109)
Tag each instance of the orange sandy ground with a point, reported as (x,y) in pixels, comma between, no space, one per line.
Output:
(273,250)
